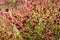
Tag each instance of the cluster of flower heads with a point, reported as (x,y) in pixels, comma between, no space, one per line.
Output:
(29,19)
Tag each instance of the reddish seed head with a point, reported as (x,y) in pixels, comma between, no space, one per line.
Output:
(43,20)
(15,16)
(15,1)
(52,1)
(27,16)
(33,32)
(53,32)
(59,15)
(10,18)
(21,11)
(11,35)
(47,31)
(59,38)
(54,20)
(44,9)
(18,26)
(34,3)
(43,37)
(33,25)
(48,16)
(42,30)
(57,23)
(6,9)
(26,30)
(36,21)
(59,10)
(24,20)
(44,26)
(46,23)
